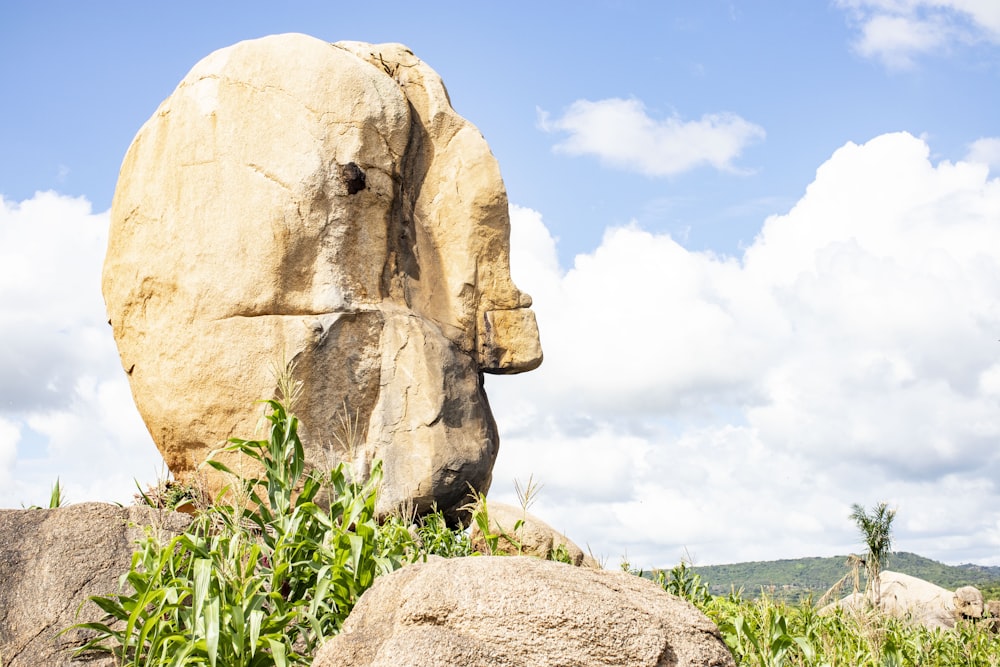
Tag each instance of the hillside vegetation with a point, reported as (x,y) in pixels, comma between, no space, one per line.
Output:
(794,579)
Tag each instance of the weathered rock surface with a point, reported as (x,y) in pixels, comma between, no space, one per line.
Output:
(912,598)
(991,615)
(493,611)
(51,561)
(320,203)
(969,603)
(905,596)
(533,537)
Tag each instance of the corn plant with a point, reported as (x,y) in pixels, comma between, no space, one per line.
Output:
(769,633)
(260,582)
(683,582)
(434,536)
(56,500)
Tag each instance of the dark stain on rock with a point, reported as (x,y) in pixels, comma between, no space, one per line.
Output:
(353,178)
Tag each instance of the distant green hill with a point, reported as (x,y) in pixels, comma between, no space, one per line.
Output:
(798,578)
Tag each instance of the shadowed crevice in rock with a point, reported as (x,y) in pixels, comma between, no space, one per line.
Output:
(353,178)
(402,265)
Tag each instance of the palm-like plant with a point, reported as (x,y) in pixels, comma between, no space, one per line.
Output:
(876,530)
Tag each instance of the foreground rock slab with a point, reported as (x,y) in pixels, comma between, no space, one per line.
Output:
(297,200)
(51,561)
(503,611)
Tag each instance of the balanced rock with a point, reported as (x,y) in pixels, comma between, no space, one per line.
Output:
(510,610)
(51,562)
(518,532)
(296,200)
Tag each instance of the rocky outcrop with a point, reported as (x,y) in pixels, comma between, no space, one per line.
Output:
(295,200)
(51,562)
(521,533)
(493,611)
(914,599)
(904,596)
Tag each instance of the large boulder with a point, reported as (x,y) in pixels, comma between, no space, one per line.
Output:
(51,562)
(518,532)
(296,200)
(509,610)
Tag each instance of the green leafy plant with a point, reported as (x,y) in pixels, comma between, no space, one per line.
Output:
(169,494)
(259,581)
(492,533)
(683,582)
(435,537)
(770,633)
(479,510)
(56,499)
(560,554)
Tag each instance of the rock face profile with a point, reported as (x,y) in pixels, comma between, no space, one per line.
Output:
(518,610)
(51,562)
(296,200)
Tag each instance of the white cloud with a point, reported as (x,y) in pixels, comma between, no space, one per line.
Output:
(9,435)
(896,39)
(896,31)
(64,399)
(623,135)
(737,407)
(53,323)
(985,151)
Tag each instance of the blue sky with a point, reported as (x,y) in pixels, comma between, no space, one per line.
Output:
(762,240)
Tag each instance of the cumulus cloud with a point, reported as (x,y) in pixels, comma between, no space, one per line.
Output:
(53,323)
(622,134)
(896,31)
(985,151)
(736,407)
(64,402)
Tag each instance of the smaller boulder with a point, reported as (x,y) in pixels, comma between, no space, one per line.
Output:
(968,603)
(501,611)
(991,615)
(523,534)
